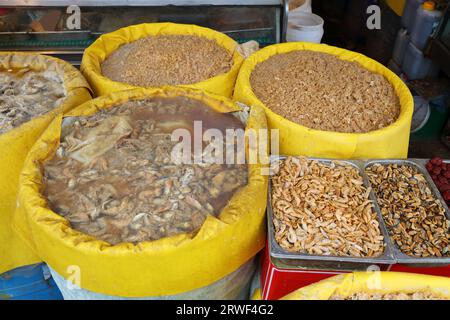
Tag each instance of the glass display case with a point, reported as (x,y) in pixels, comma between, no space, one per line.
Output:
(41,25)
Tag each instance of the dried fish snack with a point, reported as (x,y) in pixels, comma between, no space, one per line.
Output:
(167,60)
(413,215)
(323,92)
(324,209)
(391,296)
(26,94)
(113,176)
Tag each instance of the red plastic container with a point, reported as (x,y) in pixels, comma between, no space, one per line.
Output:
(277,282)
(434,271)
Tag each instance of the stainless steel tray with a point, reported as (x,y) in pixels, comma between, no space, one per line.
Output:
(399,255)
(283,258)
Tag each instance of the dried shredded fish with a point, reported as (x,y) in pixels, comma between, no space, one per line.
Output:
(167,60)
(323,92)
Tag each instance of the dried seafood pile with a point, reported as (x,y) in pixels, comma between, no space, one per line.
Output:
(322,92)
(167,60)
(414,216)
(113,176)
(26,94)
(391,296)
(324,210)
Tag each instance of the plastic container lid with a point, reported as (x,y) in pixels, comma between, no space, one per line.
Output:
(429,5)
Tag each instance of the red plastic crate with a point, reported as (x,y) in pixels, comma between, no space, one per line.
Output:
(277,282)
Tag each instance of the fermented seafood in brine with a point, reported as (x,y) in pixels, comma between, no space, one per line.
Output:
(26,94)
(113,176)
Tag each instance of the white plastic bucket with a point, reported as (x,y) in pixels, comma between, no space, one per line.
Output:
(305,27)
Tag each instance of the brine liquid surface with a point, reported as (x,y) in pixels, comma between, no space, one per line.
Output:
(113,176)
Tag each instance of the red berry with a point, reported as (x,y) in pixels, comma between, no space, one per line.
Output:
(444,187)
(437,170)
(436,161)
(447,195)
(442,179)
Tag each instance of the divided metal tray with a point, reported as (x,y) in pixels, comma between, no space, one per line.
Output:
(401,257)
(283,258)
(391,255)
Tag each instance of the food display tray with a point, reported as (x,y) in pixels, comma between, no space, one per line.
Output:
(392,254)
(401,257)
(285,259)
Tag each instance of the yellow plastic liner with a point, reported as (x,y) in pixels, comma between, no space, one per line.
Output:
(345,285)
(295,139)
(106,44)
(15,144)
(163,267)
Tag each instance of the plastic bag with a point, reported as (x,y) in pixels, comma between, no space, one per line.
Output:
(295,139)
(95,54)
(16,143)
(164,267)
(234,286)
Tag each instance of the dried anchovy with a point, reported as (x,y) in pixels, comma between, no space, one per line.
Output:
(27,94)
(415,218)
(391,296)
(113,176)
(324,210)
